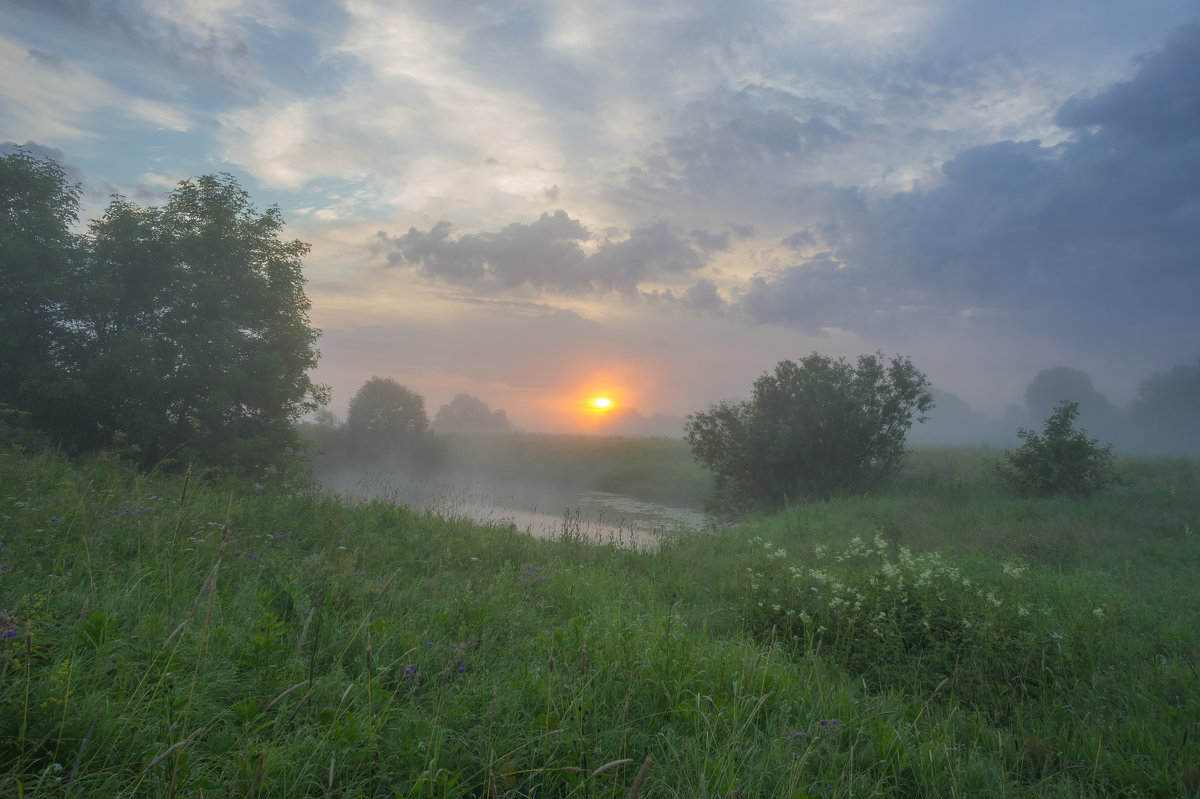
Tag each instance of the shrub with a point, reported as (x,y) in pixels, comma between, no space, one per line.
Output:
(812,429)
(1063,460)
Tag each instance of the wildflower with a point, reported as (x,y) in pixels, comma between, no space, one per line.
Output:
(1098,613)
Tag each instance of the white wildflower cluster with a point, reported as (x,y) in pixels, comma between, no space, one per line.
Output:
(1014,570)
(872,590)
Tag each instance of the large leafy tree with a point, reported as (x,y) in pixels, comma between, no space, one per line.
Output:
(1166,411)
(812,429)
(180,333)
(38,206)
(196,332)
(386,419)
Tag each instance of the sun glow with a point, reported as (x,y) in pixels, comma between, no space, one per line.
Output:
(603,403)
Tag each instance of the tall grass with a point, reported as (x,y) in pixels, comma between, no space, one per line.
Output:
(219,640)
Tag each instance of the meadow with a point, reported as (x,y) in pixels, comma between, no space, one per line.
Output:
(166,636)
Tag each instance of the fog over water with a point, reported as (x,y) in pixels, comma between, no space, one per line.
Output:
(538,509)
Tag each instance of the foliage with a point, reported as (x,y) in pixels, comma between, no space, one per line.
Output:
(467,414)
(812,429)
(386,419)
(1166,410)
(179,333)
(1063,460)
(37,249)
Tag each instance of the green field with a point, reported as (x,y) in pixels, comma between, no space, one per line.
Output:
(161,638)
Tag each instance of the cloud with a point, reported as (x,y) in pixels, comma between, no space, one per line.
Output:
(202,41)
(1161,104)
(747,150)
(47,60)
(545,255)
(704,297)
(818,294)
(1069,239)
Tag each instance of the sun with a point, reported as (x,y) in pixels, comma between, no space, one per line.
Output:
(603,403)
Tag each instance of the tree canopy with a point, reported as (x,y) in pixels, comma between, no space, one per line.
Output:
(179,333)
(467,414)
(38,206)
(1166,410)
(813,429)
(386,419)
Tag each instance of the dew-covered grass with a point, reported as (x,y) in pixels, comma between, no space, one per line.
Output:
(168,638)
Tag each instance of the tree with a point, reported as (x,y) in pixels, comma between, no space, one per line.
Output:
(812,429)
(38,206)
(1166,411)
(1063,460)
(180,333)
(386,419)
(467,414)
(1052,386)
(193,328)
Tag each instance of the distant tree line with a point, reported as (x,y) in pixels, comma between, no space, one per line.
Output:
(176,334)
(386,422)
(822,427)
(1162,417)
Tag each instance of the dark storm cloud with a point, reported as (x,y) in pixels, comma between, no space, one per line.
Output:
(1161,104)
(547,254)
(1072,239)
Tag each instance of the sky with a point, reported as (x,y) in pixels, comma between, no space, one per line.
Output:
(538,203)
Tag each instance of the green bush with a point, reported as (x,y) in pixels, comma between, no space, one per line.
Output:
(1063,460)
(814,429)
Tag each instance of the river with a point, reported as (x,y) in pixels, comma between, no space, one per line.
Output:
(537,510)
